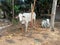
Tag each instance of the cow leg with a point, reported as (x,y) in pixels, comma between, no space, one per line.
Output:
(21,27)
(26,26)
(33,23)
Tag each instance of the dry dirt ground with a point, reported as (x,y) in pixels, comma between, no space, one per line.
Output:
(14,35)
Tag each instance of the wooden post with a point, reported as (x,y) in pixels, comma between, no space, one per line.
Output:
(32,10)
(34,2)
(53,14)
(31,14)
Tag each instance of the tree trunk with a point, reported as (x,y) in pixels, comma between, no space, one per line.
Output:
(53,14)
(13,8)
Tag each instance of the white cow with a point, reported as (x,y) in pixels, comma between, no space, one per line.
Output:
(45,23)
(48,22)
(25,18)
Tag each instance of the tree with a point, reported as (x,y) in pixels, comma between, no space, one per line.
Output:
(53,14)
(13,8)
(7,8)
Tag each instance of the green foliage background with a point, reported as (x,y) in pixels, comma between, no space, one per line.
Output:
(42,6)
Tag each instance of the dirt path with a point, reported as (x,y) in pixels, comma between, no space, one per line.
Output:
(35,36)
(39,37)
